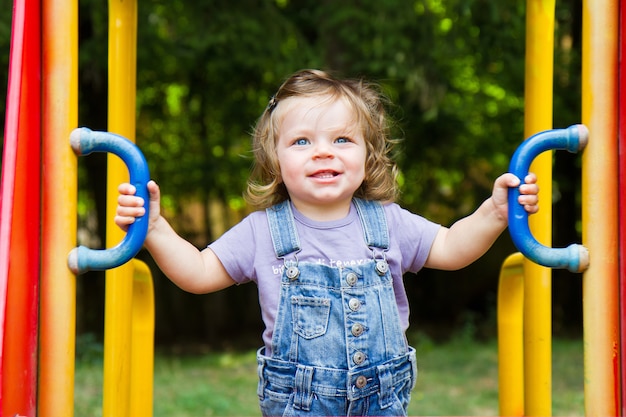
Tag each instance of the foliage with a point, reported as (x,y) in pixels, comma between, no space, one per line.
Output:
(454,70)
(206,69)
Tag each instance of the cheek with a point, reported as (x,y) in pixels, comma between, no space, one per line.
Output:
(279,165)
(286,170)
(366,169)
(365,163)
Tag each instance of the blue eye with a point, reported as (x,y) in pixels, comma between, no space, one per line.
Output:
(301,141)
(342,140)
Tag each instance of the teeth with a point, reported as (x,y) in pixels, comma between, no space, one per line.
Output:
(324,175)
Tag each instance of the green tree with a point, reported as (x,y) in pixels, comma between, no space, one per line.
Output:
(206,69)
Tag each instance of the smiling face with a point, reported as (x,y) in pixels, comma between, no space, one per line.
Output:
(321,152)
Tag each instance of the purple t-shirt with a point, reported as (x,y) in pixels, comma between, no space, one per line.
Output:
(247,253)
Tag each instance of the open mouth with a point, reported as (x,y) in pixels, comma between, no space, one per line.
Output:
(325,174)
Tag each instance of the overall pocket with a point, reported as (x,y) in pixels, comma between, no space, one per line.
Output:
(310,316)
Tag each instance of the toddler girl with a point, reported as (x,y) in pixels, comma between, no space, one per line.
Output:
(327,250)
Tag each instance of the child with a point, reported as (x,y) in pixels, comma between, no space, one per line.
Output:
(328,252)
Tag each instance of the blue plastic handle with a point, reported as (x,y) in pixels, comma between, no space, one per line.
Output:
(575,257)
(85,141)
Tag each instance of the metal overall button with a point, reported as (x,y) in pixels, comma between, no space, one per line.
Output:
(354,304)
(357,329)
(352,278)
(361,382)
(293,272)
(358,358)
(382,267)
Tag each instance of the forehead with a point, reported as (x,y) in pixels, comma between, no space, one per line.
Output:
(318,108)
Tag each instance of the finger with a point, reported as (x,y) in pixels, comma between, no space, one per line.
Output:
(531,178)
(130,201)
(130,211)
(507,180)
(529,189)
(154,190)
(531,209)
(126,188)
(530,202)
(528,199)
(123,219)
(124,222)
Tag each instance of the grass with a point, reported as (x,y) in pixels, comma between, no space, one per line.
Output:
(461,378)
(456,378)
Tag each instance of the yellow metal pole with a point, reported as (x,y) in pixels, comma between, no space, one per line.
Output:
(538,279)
(511,336)
(119,281)
(600,205)
(59,200)
(142,352)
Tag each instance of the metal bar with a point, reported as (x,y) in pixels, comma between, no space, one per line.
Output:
(58,283)
(511,336)
(85,141)
(538,279)
(575,257)
(119,282)
(599,212)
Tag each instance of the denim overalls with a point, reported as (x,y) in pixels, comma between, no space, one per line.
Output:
(338,347)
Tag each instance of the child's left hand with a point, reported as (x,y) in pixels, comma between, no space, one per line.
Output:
(528,193)
(469,238)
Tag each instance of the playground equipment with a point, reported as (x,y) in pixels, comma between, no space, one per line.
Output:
(44,46)
(525,325)
(19,213)
(84,141)
(511,308)
(37,367)
(575,257)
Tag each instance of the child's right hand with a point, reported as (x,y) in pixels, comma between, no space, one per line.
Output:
(130,207)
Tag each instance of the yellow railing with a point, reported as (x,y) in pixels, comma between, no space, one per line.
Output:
(537,279)
(142,349)
(525,383)
(511,336)
(129,304)
(59,201)
(599,212)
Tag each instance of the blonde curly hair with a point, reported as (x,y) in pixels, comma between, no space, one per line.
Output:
(265,186)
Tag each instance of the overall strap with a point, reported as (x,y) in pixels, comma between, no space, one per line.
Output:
(285,238)
(374,222)
(283,229)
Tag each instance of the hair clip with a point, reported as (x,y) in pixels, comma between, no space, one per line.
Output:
(272,104)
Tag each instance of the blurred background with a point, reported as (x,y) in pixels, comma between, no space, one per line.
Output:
(454,70)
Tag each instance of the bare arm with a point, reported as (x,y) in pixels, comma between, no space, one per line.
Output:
(469,238)
(192,270)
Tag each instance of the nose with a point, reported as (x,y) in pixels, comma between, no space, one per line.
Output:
(323,150)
